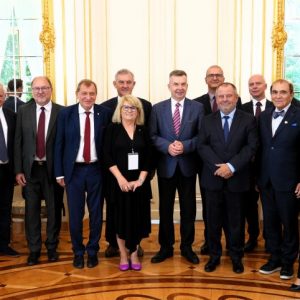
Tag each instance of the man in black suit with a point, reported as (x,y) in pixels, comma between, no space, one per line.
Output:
(15,90)
(34,147)
(279,179)
(257,88)
(7,128)
(214,77)
(227,142)
(124,83)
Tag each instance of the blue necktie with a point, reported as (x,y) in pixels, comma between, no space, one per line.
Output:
(3,149)
(276,114)
(226,127)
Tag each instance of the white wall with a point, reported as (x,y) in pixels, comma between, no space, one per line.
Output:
(95,38)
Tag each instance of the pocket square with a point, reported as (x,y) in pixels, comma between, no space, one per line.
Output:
(294,124)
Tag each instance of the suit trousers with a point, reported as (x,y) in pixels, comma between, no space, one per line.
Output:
(85,186)
(225,205)
(186,187)
(110,231)
(38,187)
(280,213)
(6,192)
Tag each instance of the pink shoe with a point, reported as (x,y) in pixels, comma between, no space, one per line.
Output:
(136,267)
(124,267)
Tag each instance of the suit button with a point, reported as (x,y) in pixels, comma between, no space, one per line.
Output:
(272,148)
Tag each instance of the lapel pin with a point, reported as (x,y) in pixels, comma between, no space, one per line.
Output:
(285,122)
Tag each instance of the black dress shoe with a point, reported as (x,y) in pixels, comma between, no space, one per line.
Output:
(190,256)
(33,258)
(211,264)
(78,261)
(295,287)
(52,255)
(161,255)
(8,251)
(237,266)
(92,261)
(250,246)
(112,251)
(140,251)
(204,249)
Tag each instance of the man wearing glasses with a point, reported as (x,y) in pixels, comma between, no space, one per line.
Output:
(34,142)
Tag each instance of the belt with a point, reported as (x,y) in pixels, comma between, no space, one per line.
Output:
(82,164)
(40,162)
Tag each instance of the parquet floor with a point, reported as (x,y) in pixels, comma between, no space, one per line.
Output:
(174,279)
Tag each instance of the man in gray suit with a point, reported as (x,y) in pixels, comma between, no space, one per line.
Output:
(34,142)
(174,127)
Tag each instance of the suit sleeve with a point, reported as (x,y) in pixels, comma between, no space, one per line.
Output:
(18,143)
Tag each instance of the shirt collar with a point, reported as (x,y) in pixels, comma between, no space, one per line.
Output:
(262,101)
(230,115)
(81,110)
(174,102)
(47,107)
(285,109)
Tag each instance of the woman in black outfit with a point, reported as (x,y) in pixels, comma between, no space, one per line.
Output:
(127,151)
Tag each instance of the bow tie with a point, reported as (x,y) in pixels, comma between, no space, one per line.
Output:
(276,114)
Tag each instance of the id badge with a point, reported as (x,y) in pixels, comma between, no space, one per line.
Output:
(133,161)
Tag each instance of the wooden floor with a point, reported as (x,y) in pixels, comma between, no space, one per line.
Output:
(174,279)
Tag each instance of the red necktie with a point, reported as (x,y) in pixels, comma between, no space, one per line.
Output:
(215,105)
(87,139)
(258,109)
(40,137)
(176,119)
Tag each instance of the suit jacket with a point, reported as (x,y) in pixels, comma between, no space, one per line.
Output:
(10,103)
(25,138)
(248,106)
(162,134)
(113,102)
(10,118)
(238,150)
(68,137)
(205,101)
(279,156)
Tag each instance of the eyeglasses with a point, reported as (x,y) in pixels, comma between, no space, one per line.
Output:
(41,89)
(214,75)
(129,108)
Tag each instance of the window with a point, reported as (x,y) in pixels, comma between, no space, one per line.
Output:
(292,46)
(21,52)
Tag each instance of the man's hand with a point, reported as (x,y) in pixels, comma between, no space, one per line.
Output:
(223,171)
(176,148)
(20,179)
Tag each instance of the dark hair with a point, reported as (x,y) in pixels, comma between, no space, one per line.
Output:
(86,82)
(291,87)
(14,84)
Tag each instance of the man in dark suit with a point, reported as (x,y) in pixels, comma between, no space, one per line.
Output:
(174,128)
(15,90)
(279,179)
(213,78)
(7,178)
(257,88)
(34,143)
(78,147)
(227,142)
(124,83)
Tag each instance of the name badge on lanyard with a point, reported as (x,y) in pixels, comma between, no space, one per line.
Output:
(133,161)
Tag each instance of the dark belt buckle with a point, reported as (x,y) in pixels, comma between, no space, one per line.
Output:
(40,163)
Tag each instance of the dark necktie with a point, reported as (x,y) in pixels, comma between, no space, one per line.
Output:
(276,114)
(258,109)
(40,137)
(176,119)
(215,105)
(3,149)
(87,139)
(226,127)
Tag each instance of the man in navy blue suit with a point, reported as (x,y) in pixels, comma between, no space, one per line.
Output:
(279,179)
(78,147)
(174,127)
(227,143)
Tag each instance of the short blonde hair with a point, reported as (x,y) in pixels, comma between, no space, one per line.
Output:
(134,101)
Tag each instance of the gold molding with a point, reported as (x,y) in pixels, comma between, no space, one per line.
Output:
(279,38)
(47,38)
